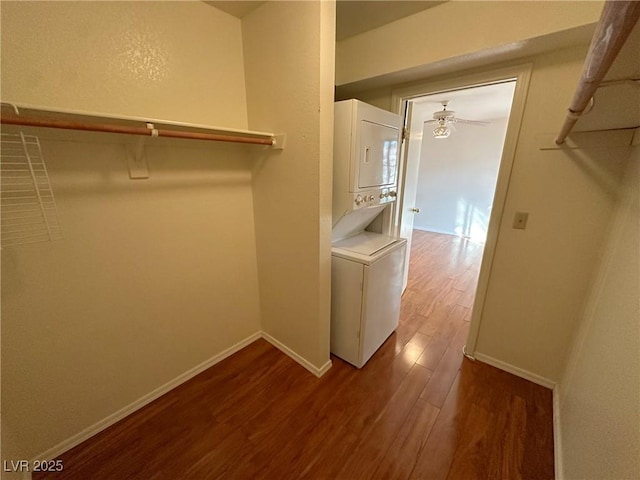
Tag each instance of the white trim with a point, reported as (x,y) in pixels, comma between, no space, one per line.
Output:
(115,417)
(442,232)
(434,230)
(318,372)
(557,434)
(142,401)
(518,372)
(453,81)
(464,352)
(521,73)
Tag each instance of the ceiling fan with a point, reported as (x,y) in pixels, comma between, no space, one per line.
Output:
(446,118)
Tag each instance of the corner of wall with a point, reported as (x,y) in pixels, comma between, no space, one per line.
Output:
(598,372)
(557,433)
(318,371)
(291,189)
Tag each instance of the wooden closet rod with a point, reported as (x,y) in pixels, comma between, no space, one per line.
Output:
(148,131)
(616,22)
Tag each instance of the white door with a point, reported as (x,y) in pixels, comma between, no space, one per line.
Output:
(407,204)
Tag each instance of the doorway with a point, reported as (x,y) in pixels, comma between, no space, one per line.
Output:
(458,169)
(465,199)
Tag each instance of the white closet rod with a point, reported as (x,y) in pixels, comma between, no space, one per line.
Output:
(616,22)
(147,130)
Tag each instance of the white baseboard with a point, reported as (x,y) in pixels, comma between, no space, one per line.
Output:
(557,434)
(318,372)
(141,402)
(434,230)
(518,372)
(89,432)
(452,234)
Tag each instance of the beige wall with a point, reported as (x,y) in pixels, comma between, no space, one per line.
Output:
(540,276)
(600,393)
(456,185)
(456,29)
(178,61)
(153,276)
(289,89)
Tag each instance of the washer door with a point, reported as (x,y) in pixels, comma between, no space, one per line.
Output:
(381,305)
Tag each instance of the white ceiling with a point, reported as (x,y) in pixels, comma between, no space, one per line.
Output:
(488,102)
(352,16)
(237,8)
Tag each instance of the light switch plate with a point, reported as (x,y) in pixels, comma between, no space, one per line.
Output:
(520,220)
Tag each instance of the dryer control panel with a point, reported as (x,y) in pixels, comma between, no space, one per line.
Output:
(370,198)
(366,157)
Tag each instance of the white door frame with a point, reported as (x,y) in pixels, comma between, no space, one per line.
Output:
(522,74)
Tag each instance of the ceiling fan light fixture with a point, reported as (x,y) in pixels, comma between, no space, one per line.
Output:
(445,119)
(441,131)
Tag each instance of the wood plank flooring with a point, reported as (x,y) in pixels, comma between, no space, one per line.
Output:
(417,410)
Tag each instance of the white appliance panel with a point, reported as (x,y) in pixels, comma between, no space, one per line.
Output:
(354,222)
(347,280)
(365,159)
(365,303)
(366,243)
(378,155)
(367,266)
(381,301)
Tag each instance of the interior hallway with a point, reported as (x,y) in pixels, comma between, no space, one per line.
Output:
(418,409)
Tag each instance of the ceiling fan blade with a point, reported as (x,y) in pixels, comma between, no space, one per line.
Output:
(481,123)
(430,122)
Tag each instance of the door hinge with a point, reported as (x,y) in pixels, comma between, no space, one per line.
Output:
(405,133)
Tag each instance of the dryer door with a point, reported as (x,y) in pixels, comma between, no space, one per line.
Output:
(378,155)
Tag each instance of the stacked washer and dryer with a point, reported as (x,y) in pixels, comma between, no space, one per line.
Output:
(367,259)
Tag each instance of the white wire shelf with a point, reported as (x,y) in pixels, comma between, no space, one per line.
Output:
(28,211)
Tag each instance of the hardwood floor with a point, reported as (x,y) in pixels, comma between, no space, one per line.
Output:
(417,410)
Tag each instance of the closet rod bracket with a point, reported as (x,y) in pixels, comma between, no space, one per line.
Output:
(138,168)
(278,141)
